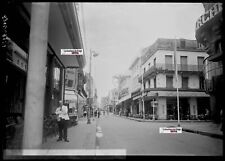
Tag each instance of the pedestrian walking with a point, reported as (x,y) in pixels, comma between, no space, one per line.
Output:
(85,113)
(62,119)
(98,113)
(58,117)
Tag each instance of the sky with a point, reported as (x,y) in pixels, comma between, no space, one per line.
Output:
(119,31)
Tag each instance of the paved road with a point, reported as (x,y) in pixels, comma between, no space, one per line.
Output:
(143,138)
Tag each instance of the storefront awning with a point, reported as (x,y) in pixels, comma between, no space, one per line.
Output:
(70,95)
(174,94)
(64,32)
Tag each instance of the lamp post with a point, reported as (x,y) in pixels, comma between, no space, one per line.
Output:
(90,87)
(142,93)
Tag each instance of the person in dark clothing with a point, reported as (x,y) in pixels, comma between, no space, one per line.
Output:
(98,114)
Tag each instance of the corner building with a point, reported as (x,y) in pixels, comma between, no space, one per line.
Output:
(158,69)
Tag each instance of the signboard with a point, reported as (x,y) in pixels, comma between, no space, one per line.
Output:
(154,103)
(72,52)
(71,79)
(124,92)
(17,56)
(209,15)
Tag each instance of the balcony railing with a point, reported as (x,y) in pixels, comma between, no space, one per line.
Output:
(171,67)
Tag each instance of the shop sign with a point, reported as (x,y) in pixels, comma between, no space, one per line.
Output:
(18,56)
(214,10)
(72,52)
(154,103)
(124,92)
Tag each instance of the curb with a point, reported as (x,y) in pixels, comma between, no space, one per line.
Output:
(166,121)
(218,136)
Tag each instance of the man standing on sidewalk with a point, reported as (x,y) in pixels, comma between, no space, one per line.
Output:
(62,118)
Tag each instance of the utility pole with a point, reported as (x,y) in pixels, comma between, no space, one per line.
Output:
(142,93)
(90,87)
(89,106)
(176,73)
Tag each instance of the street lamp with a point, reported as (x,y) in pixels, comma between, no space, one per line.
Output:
(142,93)
(90,101)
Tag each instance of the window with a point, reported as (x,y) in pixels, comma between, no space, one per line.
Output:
(70,83)
(144,70)
(168,61)
(149,82)
(185,82)
(169,81)
(182,43)
(155,82)
(154,62)
(200,63)
(201,82)
(183,61)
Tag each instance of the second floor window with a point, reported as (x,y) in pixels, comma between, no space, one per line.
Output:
(70,83)
(155,82)
(183,62)
(182,44)
(201,82)
(168,61)
(185,82)
(169,81)
(154,62)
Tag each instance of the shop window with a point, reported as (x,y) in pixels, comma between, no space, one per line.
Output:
(56,77)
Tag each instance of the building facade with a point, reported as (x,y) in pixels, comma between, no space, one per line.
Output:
(75,95)
(18,18)
(158,69)
(135,87)
(124,96)
(209,34)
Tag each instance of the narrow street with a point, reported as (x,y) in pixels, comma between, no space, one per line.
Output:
(112,79)
(144,138)
(112,132)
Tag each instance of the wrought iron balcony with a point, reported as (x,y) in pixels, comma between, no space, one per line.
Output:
(159,68)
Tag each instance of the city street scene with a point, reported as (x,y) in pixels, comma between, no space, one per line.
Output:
(112,79)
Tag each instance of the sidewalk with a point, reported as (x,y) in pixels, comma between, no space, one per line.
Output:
(81,136)
(207,128)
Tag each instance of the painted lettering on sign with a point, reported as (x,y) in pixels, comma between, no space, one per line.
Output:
(209,15)
(71,51)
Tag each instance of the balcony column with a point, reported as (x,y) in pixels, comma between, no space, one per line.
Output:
(131,107)
(140,105)
(193,106)
(36,76)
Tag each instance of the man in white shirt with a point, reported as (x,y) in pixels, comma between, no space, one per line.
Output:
(62,118)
